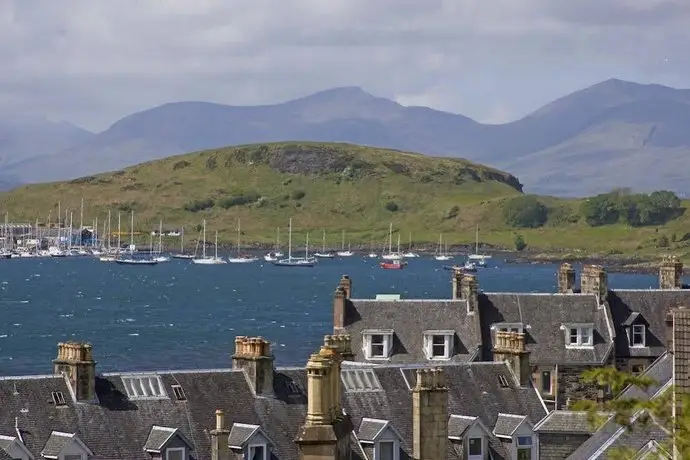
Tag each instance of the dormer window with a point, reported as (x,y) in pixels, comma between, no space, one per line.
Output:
(378,344)
(257,452)
(508,327)
(387,450)
(175,453)
(250,441)
(637,335)
(438,345)
(578,335)
(381,436)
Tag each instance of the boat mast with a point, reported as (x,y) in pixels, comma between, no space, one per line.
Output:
(390,238)
(94,239)
(238,236)
(290,241)
(204,240)
(324,242)
(476,241)
(109,232)
(181,240)
(70,230)
(131,234)
(216,245)
(59,233)
(160,237)
(81,224)
(119,238)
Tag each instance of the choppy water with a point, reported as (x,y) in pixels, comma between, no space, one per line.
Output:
(179,315)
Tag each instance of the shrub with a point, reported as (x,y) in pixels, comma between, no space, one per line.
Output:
(181,165)
(519,242)
(199,205)
(392,206)
(238,200)
(662,242)
(211,163)
(526,212)
(298,194)
(452,213)
(637,210)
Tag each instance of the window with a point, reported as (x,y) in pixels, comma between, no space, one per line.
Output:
(581,336)
(503,381)
(58,398)
(637,369)
(475,446)
(510,327)
(438,344)
(524,448)
(378,344)
(73,457)
(546,382)
(179,393)
(386,451)
(256,452)
(637,336)
(360,380)
(143,386)
(175,453)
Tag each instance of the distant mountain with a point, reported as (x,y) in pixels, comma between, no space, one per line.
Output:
(613,134)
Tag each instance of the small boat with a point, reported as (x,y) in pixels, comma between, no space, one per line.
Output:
(133,261)
(324,254)
(212,260)
(410,254)
(467,267)
(477,258)
(272,257)
(181,254)
(343,252)
(392,255)
(305,261)
(442,254)
(5,255)
(241,259)
(393,265)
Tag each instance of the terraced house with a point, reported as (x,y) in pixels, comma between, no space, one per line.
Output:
(564,333)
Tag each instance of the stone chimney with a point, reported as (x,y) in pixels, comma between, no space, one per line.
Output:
(510,347)
(671,273)
(456,280)
(326,430)
(339,309)
(341,344)
(220,450)
(346,284)
(253,355)
(429,415)
(566,279)
(594,280)
(681,358)
(75,360)
(469,290)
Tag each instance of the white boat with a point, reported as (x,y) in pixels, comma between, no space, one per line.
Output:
(210,260)
(441,254)
(271,257)
(160,256)
(135,261)
(182,254)
(477,258)
(240,259)
(305,261)
(131,259)
(323,254)
(55,251)
(343,252)
(391,255)
(410,254)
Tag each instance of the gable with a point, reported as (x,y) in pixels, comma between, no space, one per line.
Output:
(61,444)
(13,448)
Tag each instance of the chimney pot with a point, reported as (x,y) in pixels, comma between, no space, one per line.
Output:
(220,419)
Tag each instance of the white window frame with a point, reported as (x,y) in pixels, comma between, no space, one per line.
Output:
(509,327)
(530,446)
(481,445)
(396,449)
(387,335)
(576,335)
(175,449)
(639,329)
(448,344)
(251,447)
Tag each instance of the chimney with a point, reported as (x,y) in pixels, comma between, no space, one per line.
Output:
(429,415)
(346,283)
(220,450)
(594,280)
(339,309)
(326,430)
(457,283)
(469,290)
(75,361)
(566,279)
(671,273)
(510,347)
(253,355)
(681,358)
(342,344)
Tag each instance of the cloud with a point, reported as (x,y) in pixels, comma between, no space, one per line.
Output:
(93,62)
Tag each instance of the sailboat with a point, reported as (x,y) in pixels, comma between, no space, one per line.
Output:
(391,255)
(108,256)
(305,261)
(181,254)
(479,259)
(131,260)
(343,252)
(441,254)
(324,254)
(277,254)
(160,257)
(240,259)
(409,254)
(209,260)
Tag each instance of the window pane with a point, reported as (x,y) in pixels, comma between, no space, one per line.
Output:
(174,455)
(386,450)
(586,336)
(546,382)
(524,440)
(257,453)
(377,339)
(377,350)
(524,453)
(475,446)
(573,336)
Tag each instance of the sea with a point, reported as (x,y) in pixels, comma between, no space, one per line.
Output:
(178,315)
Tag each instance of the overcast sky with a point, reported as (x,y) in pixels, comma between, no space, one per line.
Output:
(93,61)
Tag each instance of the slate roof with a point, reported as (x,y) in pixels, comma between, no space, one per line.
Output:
(158,437)
(370,428)
(240,433)
(409,319)
(651,305)
(474,391)
(565,421)
(506,424)
(542,316)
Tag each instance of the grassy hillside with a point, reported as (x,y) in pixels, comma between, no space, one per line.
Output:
(332,187)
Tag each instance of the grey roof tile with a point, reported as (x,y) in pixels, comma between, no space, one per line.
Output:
(565,421)
(55,444)
(458,424)
(158,437)
(543,315)
(506,424)
(409,319)
(661,371)
(240,434)
(652,305)
(370,428)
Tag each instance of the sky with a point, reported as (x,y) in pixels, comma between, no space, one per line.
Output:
(92,62)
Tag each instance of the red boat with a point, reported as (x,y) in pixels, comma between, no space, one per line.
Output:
(393,265)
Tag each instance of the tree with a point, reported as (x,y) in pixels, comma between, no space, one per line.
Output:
(658,410)
(519,242)
(526,212)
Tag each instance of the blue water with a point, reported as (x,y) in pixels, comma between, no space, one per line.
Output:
(178,315)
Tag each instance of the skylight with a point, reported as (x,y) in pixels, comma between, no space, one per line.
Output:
(179,393)
(360,380)
(144,387)
(58,398)
(503,381)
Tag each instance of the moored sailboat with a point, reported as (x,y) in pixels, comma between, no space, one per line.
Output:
(131,259)
(182,254)
(305,261)
(209,260)
(391,255)
(241,259)
(343,252)
(323,254)
(476,257)
(441,254)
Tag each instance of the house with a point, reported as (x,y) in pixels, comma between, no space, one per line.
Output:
(331,409)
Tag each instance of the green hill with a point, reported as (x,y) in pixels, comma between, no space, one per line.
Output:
(332,187)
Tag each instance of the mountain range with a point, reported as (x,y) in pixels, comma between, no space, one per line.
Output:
(609,135)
